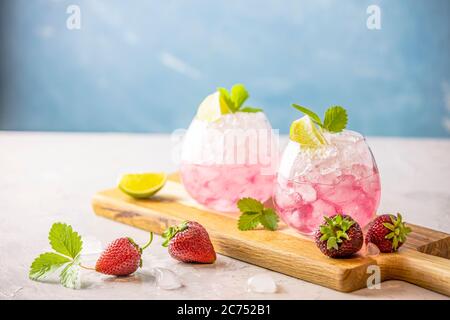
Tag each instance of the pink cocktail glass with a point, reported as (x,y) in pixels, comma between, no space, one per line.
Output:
(229,159)
(341,177)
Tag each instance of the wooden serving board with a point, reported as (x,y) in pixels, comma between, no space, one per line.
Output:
(423,260)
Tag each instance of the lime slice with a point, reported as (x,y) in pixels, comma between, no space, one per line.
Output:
(306,133)
(212,108)
(142,185)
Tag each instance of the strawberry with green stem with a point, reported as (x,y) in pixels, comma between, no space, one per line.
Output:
(339,236)
(189,242)
(387,232)
(122,257)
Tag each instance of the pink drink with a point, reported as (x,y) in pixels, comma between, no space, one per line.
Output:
(228,159)
(220,186)
(341,178)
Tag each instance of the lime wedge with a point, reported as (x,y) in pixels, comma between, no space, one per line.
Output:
(212,108)
(142,185)
(306,133)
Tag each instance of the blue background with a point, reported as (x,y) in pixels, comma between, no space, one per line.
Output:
(144,66)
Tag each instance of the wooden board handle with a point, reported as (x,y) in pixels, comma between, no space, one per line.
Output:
(422,269)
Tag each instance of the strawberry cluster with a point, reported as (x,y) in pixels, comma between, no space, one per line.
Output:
(340,236)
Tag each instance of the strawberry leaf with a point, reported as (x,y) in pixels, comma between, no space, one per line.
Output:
(70,275)
(64,240)
(45,264)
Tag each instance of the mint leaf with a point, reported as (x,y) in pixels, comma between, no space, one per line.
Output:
(70,276)
(238,95)
(226,99)
(250,205)
(251,110)
(335,119)
(314,117)
(64,240)
(254,214)
(269,219)
(249,221)
(45,264)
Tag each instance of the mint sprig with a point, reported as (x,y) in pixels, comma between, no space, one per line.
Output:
(235,99)
(254,214)
(335,118)
(68,245)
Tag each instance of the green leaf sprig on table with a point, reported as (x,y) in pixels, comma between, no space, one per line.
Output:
(68,245)
(235,99)
(254,214)
(335,119)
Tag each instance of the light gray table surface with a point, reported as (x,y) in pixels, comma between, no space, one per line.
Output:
(48,177)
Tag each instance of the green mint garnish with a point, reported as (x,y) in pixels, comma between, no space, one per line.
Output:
(335,119)
(254,214)
(251,109)
(235,100)
(68,245)
(314,117)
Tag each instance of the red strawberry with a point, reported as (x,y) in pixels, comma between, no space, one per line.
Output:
(122,257)
(189,242)
(387,232)
(340,236)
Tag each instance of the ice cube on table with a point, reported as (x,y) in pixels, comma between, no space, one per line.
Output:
(92,247)
(261,283)
(372,249)
(166,279)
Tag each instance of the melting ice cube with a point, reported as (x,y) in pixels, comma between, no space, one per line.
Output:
(261,283)
(166,279)
(372,249)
